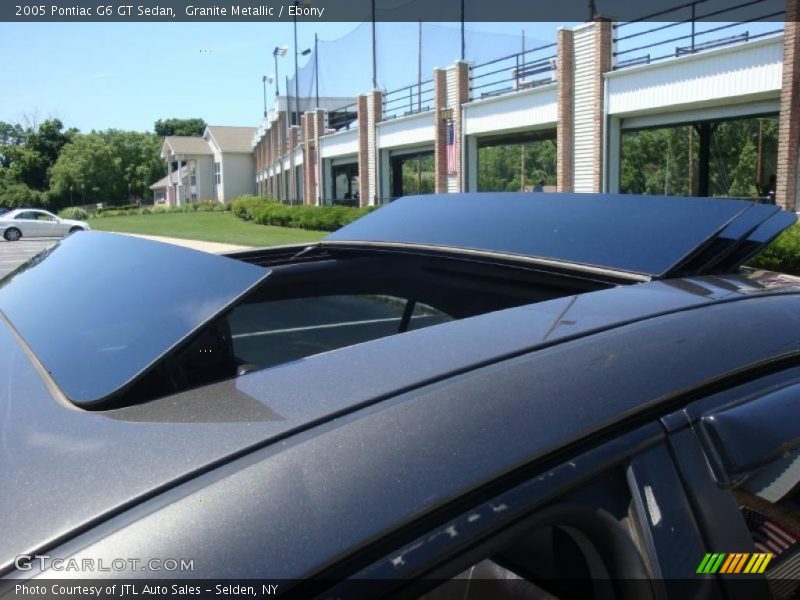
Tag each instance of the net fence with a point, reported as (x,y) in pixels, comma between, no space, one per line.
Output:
(405,56)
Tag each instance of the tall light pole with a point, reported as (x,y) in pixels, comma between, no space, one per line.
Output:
(264,81)
(278,51)
(296,72)
(316,69)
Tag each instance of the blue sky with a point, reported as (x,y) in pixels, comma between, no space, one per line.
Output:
(127,75)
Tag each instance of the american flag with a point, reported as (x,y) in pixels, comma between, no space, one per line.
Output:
(784,571)
(451,148)
(767,535)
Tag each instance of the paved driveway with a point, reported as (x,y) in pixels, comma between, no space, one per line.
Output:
(13,254)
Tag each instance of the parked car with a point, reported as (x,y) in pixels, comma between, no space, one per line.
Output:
(467,395)
(30,222)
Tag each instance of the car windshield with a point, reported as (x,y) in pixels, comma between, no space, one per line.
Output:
(154,296)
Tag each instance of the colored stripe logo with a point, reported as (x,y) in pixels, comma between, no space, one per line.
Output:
(734,562)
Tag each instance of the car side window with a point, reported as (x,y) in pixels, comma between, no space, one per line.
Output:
(575,547)
(25,216)
(583,543)
(754,448)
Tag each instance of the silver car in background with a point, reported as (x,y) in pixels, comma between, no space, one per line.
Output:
(30,222)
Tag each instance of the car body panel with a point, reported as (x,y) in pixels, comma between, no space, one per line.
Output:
(650,236)
(133,453)
(154,296)
(342,483)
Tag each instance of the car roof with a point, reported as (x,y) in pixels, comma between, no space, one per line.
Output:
(641,237)
(62,456)
(15,211)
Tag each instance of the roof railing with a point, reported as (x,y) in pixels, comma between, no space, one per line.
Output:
(687,35)
(343,117)
(409,100)
(514,72)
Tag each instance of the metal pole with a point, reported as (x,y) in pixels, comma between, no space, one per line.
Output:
(704,131)
(316,69)
(463,40)
(288,106)
(691,162)
(374,58)
(277,79)
(296,78)
(693,17)
(419,69)
(759,156)
(264,80)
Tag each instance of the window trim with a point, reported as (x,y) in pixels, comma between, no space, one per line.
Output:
(506,514)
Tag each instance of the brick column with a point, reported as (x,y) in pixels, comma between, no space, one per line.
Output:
(789,121)
(374,116)
(440,131)
(257,157)
(458,94)
(363,153)
(565,128)
(280,144)
(263,152)
(603,60)
(451,89)
(319,131)
(292,143)
(270,158)
(273,150)
(309,159)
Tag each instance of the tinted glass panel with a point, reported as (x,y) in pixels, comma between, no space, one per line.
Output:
(752,434)
(98,309)
(757,446)
(637,234)
(278,331)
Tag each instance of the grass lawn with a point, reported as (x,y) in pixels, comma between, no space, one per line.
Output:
(207,226)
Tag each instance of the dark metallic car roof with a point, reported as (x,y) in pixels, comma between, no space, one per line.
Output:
(99,309)
(64,468)
(649,236)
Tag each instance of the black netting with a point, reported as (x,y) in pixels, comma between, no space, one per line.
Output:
(343,67)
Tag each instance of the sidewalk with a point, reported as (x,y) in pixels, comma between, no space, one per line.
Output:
(213,247)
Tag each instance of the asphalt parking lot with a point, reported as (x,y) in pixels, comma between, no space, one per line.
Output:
(13,254)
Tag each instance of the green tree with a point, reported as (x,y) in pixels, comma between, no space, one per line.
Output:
(500,166)
(11,135)
(106,166)
(666,160)
(29,154)
(179,127)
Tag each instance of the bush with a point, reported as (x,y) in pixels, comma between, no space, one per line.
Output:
(132,209)
(266,211)
(244,207)
(117,209)
(19,195)
(783,254)
(74,212)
